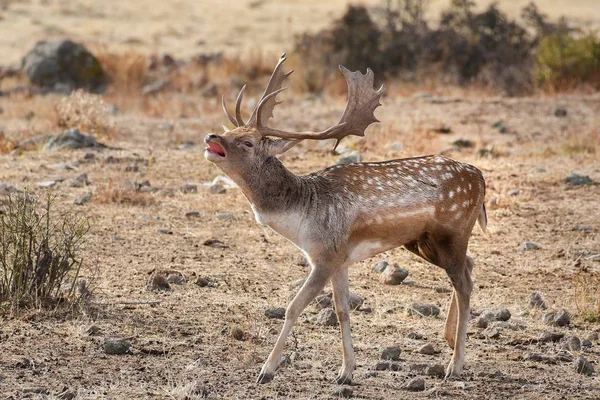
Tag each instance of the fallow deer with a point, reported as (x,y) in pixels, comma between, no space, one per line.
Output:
(347,213)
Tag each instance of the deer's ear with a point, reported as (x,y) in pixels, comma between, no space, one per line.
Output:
(280,146)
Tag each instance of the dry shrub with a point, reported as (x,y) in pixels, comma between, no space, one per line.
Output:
(124,193)
(127,72)
(40,251)
(587,296)
(85,111)
(7,144)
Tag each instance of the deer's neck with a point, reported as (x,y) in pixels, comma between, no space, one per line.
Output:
(270,186)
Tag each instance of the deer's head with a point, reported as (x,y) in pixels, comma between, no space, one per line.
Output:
(251,142)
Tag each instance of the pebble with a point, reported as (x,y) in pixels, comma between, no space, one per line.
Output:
(192,214)
(586,343)
(158,282)
(217,188)
(47,184)
(79,181)
(189,188)
(393,275)
(116,346)
(165,231)
(546,337)
(539,357)
(35,390)
(583,366)
(536,300)
(275,313)
(176,278)
(224,216)
(215,243)
(93,330)
(529,246)
(415,385)
(571,343)
(583,228)
(387,365)
(577,180)
(327,317)
(463,143)
(343,391)
(499,125)
(355,301)
(427,349)
(560,112)
(492,332)
(204,282)
(501,314)
(390,353)
(424,309)
(435,370)
(415,335)
(559,318)
(7,188)
(353,157)
(380,266)
(81,200)
(236,332)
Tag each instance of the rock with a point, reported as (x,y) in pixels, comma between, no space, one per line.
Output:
(355,301)
(132,168)
(393,275)
(499,125)
(81,200)
(547,337)
(62,167)
(93,330)
(189,188)
(559,318)
(353,157)
(571,343)
(440,289)
(116,346)
(514,192)
(380,266)
(427,349)
(539,357)
(71,139)
(275,313)
(176,278)
(165,231)
(193,214)
(583,228)
(415,335)
(5,188)
(224,216)
(324,300)
(204,282)
(217,188)
(237,333)
(435,370)
(463,143)
(424,309)
(501,314)
(327,317)
(158,282)
(155,87)
(343,391)
(536,301)
(63,66)
(577,180)
(444,129)
(387,366)
(46,184)
(396,146)
(586,343)
(529,246)
(390,353)
(583,366)
(215,243)
(492,332)
(414,385)
(481,322)
(560,112)
(35,390)
(79,181)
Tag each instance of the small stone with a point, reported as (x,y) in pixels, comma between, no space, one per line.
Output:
(415,385)
(514,192)
(236,332)
(166,126)
(63,167)
(424,309)
(529,246)
(192,214)
(189,188)
(577,180)
(539,357)
(158,282)
(355,301)
(165,231)
(501,314)
(215,243)
(327,317)
(571,343)
(481,322)
(396,146)
(204,282)
(46,184)
(586,343)
(353,157)
(546,337)
(5,188)
(324,300)
(224,216)
(560,112)
(35,390)
(562,318)
(583,366)
(343,391)
(79,181)
(132,168)
(444,129)
(415,335)
(380,266)
(217,188)
(435,370)
(275,313)
(390,353)
(387,366)
(463,143)
(492,332)
(583,228)
(116,346)
(427,349)
(81,200)
(441,289)
(499,125)
(176,278)
(93,330)
(393,275)
(537,301)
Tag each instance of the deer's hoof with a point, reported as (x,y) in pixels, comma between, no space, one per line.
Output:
(265,378)
(343,380)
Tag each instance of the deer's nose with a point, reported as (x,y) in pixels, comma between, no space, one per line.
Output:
(210,137)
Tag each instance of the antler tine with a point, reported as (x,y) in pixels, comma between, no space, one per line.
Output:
(238,104)
(275,82)
(261,104)
(231,118)
(358,115)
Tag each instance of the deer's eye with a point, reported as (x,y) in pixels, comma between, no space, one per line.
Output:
(248,144)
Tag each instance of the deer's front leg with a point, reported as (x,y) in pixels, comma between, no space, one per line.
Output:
(341,294)
(314,284)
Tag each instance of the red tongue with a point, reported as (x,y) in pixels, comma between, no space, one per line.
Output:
(216,148)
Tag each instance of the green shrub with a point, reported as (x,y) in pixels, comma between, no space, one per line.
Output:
(565,60)
(40,251)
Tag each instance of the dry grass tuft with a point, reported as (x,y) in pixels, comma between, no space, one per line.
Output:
(85,111)
(127,72)
(587,296)
(124,193)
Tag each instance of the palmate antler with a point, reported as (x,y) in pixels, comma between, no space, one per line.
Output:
(362,102)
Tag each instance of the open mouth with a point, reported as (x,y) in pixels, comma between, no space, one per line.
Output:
(215,148)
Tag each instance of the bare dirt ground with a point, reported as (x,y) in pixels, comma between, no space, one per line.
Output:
(182,341)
